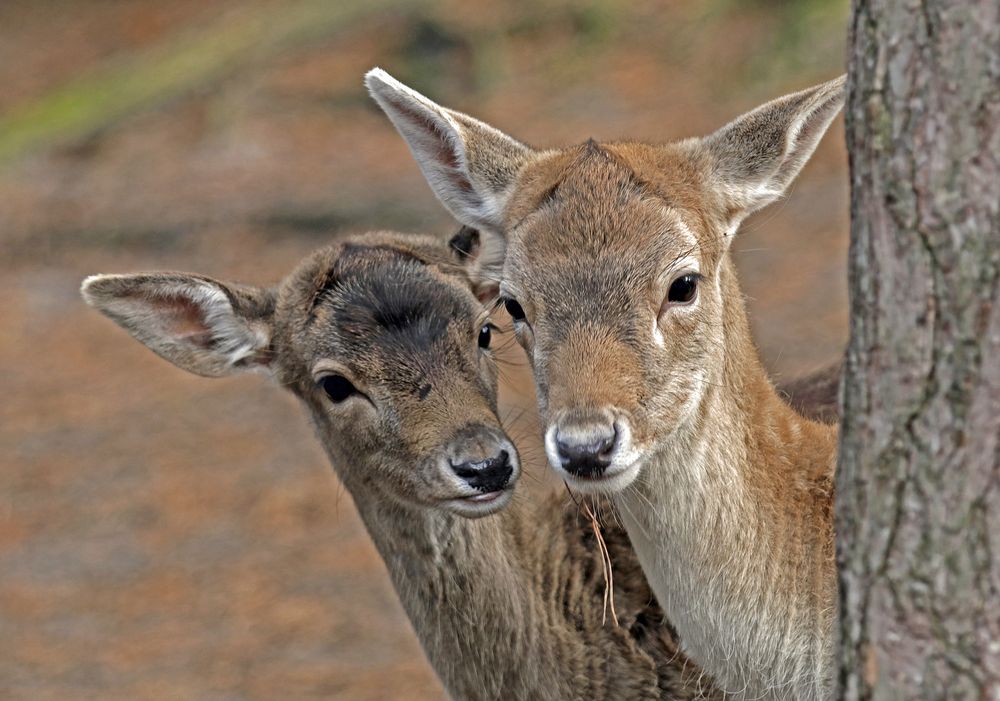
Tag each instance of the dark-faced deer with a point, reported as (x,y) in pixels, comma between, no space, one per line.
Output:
(384,342)
(614,263)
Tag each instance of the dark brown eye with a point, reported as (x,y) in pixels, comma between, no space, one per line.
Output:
(514,309)
(485,336)
(337,387)
(683,289)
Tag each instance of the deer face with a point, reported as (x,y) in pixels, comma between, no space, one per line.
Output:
(381,339)
(614,291)
(393,357)
(613,261)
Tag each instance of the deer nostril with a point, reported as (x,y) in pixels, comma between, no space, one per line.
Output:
(608,445)
(466,470)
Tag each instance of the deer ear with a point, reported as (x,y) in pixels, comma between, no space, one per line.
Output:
(198,324)
(756,157)
(481,258)
(470,165)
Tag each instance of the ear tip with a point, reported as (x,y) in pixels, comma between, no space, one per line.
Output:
(373,74)
(93,288)
(836,87)
(378,79)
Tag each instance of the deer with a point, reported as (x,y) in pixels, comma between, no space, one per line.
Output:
(383,340)
(613,261)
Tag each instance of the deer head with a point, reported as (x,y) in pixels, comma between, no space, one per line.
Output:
(380,337)
(612,259)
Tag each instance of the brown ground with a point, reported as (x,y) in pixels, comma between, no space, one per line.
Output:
(165,536)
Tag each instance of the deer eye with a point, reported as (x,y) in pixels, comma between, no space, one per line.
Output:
(684,289)
(337,387)
(485,336)
(514,309)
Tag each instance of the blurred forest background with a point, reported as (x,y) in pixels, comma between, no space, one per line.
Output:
(165,536)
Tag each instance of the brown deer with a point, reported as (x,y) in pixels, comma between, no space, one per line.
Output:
(384,342)
(613,260)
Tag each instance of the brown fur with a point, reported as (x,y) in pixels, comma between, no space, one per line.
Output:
(506,606)
(815,395)
(725,490)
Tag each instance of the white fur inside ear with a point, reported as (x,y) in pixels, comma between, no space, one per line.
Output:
(437,142)
(758,155)
(231,336)
(187,320)
(425,125)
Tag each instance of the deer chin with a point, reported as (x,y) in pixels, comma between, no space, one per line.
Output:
(479,505)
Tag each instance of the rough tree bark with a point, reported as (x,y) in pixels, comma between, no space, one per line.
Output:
(918,505)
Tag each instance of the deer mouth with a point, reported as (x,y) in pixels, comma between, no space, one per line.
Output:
(609,482)
(479,505)
(485,498)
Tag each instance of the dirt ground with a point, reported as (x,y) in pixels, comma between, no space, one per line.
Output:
(169,537)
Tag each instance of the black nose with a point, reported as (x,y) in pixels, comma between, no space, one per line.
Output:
(589,453)
(489,475)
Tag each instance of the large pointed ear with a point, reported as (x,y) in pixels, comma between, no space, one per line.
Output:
(756,157)
(470,165)
(198,324)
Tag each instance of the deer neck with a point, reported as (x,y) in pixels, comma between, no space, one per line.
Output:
(510,605)
(456,581)
(732,523)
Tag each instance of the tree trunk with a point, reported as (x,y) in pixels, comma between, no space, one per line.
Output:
(918,506)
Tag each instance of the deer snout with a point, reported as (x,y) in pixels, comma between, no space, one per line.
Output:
(585,443)
(587,459)
(483,458)
(592,449)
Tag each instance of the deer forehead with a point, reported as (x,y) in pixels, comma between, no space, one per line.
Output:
(599,209)
(388,318)
(557,259)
